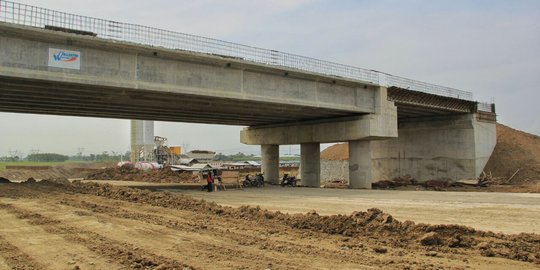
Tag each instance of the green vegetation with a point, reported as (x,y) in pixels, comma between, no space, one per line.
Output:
(243,157)
(236,157)
(103,157)
(47,157)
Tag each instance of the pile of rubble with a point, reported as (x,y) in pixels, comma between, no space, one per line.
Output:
(401,181)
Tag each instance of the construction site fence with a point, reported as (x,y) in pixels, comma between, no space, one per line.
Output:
(17,13)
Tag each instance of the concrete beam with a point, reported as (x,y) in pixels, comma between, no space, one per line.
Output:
(310,164)
(270,163)
(376,126)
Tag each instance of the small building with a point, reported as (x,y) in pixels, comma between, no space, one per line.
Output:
(216,164)
(290,163)
(203,156)
(195,169)
(188,161)
(241,165)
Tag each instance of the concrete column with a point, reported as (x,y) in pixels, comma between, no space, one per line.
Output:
(360,164)
(310,164)
(270,163)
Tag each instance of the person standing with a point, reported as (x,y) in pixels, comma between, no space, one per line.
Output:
(210,181)
(220,183)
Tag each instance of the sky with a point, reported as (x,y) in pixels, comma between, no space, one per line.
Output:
(491,48)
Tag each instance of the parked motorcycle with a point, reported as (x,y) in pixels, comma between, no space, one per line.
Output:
(258,181)
(288,181)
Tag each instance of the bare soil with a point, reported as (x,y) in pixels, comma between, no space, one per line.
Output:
(166,175)
(58,225)
(515,150)
(508,213)
(70,171)
(128,173)
(338,151)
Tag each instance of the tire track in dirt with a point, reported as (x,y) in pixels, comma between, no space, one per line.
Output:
(3,263)
(125,254)
(36,242)
(240,236)
(142,238)
(303,228)
(246,234)
(15,258)
(349,250)
(200,248)
(242,248)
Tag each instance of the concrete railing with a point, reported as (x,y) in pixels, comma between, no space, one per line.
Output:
(16,13)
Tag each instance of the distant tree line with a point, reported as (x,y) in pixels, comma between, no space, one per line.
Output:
(103,157)
(10,159)
(243,157)
(235,157)
(47,157)
(54,157)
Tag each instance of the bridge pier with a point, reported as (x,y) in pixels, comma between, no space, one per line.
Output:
(359,130)
(360,165)
(270,163)
(310,164)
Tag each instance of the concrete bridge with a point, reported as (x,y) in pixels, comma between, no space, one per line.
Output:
(394,128)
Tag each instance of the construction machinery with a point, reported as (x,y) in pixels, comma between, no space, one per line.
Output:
(165,155)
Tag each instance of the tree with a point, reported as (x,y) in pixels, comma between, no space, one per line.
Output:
(47,157)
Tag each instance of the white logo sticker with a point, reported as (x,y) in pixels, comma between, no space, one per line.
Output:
(64,59)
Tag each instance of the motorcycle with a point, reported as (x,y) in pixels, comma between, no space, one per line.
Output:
(288,181)
(249,182)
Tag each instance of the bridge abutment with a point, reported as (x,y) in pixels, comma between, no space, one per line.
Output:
(446,147)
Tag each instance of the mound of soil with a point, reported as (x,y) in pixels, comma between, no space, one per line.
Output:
(372,223)
(515,150)
(25,172)
(338,151)
(128,173)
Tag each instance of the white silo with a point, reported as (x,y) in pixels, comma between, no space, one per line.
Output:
(142,140)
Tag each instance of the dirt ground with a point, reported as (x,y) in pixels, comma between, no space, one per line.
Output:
(48,225)
(69,170)
(516,152)
(498,212)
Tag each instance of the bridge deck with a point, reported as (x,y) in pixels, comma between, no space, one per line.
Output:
(46,97)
